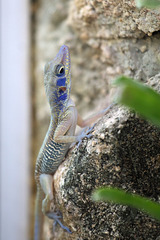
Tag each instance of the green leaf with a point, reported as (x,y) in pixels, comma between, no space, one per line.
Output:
(121,197)
(148,3)
(140,98)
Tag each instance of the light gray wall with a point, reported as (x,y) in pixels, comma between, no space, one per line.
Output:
(14,134)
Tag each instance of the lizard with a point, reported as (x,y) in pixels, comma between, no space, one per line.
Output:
(60,134)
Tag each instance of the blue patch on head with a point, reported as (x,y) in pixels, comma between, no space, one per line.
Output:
(59,98)
(61,82)
(62,97)
(61,92)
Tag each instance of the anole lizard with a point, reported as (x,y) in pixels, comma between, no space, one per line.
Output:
(60,135)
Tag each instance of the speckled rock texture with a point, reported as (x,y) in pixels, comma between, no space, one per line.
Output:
(106,38)
(110,19)
(124,152)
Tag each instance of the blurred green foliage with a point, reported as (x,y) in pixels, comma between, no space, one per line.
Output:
(147,3)
(140,98)
(121,197)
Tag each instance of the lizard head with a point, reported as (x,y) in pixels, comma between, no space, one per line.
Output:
(57,79)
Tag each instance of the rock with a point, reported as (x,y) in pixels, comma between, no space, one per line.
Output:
(113,19)
(124,152)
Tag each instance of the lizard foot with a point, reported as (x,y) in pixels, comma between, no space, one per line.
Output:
(85,133)
(56,218)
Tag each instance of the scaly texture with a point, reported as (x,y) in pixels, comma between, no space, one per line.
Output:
(60,135)
(57,86)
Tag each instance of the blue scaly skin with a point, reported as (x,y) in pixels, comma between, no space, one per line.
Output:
(60,135)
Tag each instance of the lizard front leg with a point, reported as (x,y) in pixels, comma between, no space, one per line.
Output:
(60,135)
(92,119)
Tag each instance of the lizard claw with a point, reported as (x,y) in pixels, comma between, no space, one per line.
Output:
(85,133)
(56,218)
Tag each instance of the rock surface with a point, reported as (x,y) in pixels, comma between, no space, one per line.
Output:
(109,19)
(124,152)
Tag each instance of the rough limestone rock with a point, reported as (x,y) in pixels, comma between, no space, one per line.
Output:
(110,19)
(106,38)
(124,152)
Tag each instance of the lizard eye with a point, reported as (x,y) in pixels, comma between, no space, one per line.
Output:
(60,70)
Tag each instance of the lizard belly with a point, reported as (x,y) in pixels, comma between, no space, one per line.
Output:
(53,155)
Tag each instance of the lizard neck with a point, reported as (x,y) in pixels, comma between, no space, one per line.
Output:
(58,104)
(57,111)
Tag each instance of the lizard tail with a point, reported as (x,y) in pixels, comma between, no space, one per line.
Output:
(38,227)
